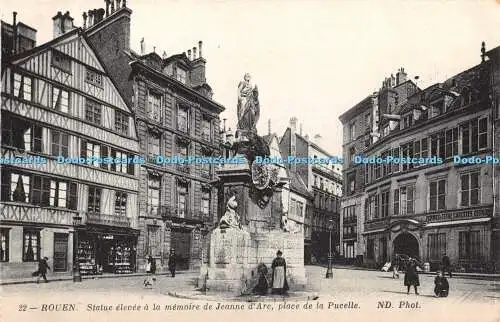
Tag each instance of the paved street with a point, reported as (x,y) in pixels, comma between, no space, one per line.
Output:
(366,288)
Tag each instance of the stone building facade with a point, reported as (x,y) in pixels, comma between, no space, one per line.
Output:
(435,205)
(59,107)
(175,117)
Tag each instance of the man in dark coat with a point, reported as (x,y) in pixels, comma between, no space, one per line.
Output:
(172,262)
(43,266)
(279,282)
(441,286)
(446,264)
(411,276)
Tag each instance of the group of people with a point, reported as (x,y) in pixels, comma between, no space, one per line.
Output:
(151,268)
(279,283)
(411,278)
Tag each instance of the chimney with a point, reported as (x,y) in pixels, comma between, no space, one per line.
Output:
(189,54)
(143,49)
(62,23)
(483,51)
(164,56)
(118,4)
(107,7)
(300,129)
(293,141)
(198,76)
(84,15)
(14,29)
(400,76)
(99,15)
(112,6)
(318,140)
(269,126)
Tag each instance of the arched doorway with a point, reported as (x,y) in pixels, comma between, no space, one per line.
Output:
(407,244)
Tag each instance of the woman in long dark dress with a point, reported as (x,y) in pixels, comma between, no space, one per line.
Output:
(411,276)
(279,282)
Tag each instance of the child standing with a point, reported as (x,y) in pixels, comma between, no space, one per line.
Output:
(441,286)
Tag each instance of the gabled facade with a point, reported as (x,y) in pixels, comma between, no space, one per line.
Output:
(175,117)
(61,113)
(323,183)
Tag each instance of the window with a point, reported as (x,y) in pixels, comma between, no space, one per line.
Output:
(154,106)
(474,135)
(60,143)
(182,200)
(370,249)
(92,150)
(153,144)
(437,108)
(206,130)
(94,200)
(407,152)
(404,200)
(437,195)
(470,189)
(352,132)
(21,134)
(31,245)
(469,245)
(120,203)
(61,61)
(436,246)
(93,112)
(368,121)
(183,151)
(438,145)
(385,203)
(4,245)
(181,75)
(58,193)
(153,241)
(120,166)
(205,202)
(352,154)
(395,165)
(154,185)
(372,207)
(23,87)
(93,77)
(205,169)
(451,142)
(121,122)
(183,119)
(19,187)
(60,100)
(351,182)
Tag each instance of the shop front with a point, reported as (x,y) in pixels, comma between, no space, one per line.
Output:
(107,250)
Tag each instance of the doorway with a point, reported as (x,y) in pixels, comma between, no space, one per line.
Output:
(407,244)
(60,252)
(181,243)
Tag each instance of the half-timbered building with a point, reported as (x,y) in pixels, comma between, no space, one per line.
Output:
(175,116)
(64,127)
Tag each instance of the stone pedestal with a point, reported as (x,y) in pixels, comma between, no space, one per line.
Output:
(228,268)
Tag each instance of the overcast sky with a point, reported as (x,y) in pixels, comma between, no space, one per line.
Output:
(311,59)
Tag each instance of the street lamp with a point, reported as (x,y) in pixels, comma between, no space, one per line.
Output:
(329,271)
(77,277)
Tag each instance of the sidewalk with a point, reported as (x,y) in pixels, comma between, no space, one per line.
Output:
(482,276)
(59,278)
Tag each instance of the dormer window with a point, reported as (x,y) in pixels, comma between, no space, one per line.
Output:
(407,121)
(181,75)
(61,61)
(437,108)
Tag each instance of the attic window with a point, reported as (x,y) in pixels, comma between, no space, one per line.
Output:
(93,77)
(181,75)
(61,61)
(437,108)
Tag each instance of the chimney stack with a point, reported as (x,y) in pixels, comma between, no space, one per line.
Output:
(164,56)
(269,126)
(14,29)
(293,125)
(62,23)
(189,54)
(118,4)
(112,6)
(142,46)
(107,7)
(200,43)
(401,76)
(483,51)
(194,53)
(300,129)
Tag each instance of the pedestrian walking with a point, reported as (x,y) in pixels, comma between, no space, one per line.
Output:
(43,266)
(441,286)
(446,264)
(151,271)
(411,276)
(279,282)
(172,262)
(395,267)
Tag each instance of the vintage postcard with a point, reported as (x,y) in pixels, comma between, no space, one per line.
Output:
(323,160)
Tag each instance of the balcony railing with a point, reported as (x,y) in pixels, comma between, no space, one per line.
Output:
(108,220)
